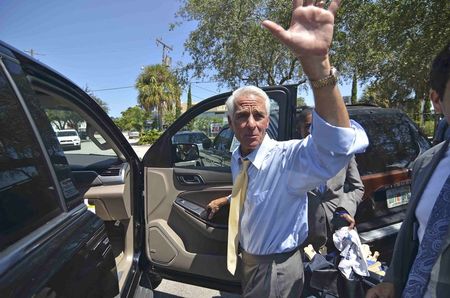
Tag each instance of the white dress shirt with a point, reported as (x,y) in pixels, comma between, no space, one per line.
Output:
(274,218)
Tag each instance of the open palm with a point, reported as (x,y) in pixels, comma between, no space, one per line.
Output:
(311,29)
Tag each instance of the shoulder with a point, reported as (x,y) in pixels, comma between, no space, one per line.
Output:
(426,157)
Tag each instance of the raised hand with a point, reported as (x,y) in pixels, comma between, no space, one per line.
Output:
(311,29)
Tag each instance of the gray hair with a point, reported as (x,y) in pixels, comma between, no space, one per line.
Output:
(245,91)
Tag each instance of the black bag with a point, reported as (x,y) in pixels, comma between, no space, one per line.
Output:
(323,279)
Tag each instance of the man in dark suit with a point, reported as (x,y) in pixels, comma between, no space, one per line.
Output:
(333,205)
(420,266)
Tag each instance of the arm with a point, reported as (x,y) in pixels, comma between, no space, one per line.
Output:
(382,290)
(353,190)
(309,38)
(214,206)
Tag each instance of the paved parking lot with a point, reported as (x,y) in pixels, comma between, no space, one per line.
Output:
(172,289)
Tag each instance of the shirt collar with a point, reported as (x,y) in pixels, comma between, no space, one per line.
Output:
(258,155)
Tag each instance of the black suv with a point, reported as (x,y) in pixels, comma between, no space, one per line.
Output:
(149,219)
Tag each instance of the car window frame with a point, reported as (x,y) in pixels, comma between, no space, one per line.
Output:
(15,251)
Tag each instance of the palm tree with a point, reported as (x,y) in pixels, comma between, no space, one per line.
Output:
(158,88)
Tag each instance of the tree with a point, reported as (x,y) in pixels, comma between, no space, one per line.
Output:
(189,98)
(391,42)
(158,89)
(230,46)
(103,104)
(301,102)
(64,119)
(133,119)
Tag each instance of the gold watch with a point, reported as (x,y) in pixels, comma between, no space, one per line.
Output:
(329,80)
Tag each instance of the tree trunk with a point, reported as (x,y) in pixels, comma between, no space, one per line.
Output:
(354,98)
(160,115)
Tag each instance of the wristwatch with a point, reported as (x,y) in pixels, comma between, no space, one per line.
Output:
(329,80)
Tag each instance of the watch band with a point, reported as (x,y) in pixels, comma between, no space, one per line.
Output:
(329,80)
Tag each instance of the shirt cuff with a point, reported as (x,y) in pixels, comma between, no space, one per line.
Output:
(229,199)
(340,140)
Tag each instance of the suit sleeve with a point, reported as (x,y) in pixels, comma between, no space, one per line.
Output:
(354,189)
(398,270)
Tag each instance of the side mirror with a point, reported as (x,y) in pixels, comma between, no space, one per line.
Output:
(186,152)
(206,143)
(96,138)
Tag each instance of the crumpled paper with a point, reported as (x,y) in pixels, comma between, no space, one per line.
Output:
(347,242)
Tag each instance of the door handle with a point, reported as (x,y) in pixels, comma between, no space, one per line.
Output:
(190,180)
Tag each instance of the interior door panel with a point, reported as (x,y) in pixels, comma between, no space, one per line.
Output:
(179,234)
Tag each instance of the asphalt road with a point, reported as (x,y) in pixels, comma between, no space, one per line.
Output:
(172,289)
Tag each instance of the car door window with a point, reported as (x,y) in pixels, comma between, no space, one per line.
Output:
(28,196)
(54,111)
(210,133)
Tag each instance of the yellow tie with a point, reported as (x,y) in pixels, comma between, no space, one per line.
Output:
(237,201)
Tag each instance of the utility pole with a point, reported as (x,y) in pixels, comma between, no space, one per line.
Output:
(33,53)
(166,60)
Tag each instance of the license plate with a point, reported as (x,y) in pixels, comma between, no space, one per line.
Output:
(398,196)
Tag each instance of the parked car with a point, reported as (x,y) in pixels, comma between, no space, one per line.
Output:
(191,137)
(133,134)
(69,139)
(150,216)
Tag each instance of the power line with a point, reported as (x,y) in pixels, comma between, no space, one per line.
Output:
(206,89)
(115,88)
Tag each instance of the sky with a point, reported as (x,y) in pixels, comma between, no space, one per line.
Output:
(103,44)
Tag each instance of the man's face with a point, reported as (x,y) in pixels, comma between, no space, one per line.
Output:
(250,121)
(442,105)
(304,127)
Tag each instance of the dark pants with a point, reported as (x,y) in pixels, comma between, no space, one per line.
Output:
(276,275)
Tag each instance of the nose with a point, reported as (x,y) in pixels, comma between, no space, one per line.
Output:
(251,123)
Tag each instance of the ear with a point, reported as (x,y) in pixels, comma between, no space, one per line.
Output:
(436,101)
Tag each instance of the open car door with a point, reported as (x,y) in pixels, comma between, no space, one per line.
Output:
(182,174)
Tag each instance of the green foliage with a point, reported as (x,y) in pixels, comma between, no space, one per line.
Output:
(204,123)
(427,128)
(158,89)
(354,97)
(178,108)
(230,45)
(62,119)
(149,137)
(169,117)
(301,101)
(189,98)
(98,100)
(427,110)
(188,106)
(390,44)
(132,119)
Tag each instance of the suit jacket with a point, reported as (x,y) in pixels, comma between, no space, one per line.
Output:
(345,190)
(406,245)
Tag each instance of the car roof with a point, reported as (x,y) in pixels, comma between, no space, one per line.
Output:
(369,109)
